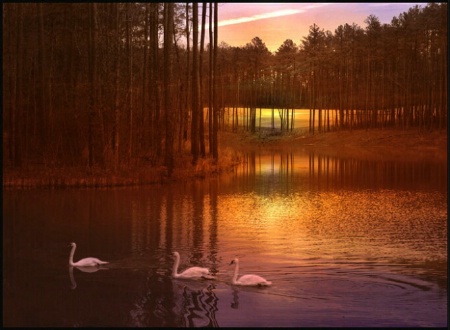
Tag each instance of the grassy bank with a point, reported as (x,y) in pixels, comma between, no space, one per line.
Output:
(130,175)
(362,143)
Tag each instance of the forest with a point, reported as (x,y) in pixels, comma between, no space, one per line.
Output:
(110,84)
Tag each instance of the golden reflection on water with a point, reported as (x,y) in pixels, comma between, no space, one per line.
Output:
(331,224)
(290,205)
(309,205)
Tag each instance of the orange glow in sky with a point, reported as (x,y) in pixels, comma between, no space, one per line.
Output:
(274,23)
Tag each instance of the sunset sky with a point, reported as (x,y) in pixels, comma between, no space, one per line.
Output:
(273,23)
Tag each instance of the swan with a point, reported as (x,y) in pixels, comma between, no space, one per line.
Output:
(86,262)
(247,280)
(190,273)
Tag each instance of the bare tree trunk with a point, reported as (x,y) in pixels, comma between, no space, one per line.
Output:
(144,110)
(116,88)
(43,136)
(18,109)
(215,109)
(130,81)
(210,106)
(200,116)
(92,81)
(154,79)
(168,94)
(9,105)
(195,119)
(188,99)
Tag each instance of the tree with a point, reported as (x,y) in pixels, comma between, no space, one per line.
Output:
(201,78)
(285,58)
(195,86)
(18,110)
(312,47)
(155,86)
(215,150)
(116,134)
(92,81)
(168,88)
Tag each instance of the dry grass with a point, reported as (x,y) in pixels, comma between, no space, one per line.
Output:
(127,175)
(363,143)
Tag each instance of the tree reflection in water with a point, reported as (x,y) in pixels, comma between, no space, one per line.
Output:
(196,303)
(235,302)
(289,170)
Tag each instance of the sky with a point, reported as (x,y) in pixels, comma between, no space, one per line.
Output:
(273,23)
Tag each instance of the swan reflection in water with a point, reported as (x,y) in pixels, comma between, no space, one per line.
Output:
(235,302)
(196,302)
(84,270)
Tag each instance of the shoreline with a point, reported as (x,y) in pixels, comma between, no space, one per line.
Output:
(373,144)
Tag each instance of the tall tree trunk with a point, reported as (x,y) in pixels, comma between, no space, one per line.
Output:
(154,81)
(168,94)
(188,99)
(215,109)
(130,80)
(92,82)
(210,89)
(9,105)
(116,87)
(144,110)
(195,103)
(17,112)
(200,116)
(43,136)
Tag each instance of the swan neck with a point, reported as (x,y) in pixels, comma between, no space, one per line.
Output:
(72,252)
(236,271)
(175,266)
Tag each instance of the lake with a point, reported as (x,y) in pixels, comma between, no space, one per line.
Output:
(346,242)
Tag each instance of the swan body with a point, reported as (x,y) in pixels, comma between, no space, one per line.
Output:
(249,279)
(190,273)
(86,262)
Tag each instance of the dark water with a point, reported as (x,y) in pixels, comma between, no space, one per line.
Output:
(345,242)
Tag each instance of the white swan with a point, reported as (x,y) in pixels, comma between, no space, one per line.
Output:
(190,273)
(247,280)
(86,262)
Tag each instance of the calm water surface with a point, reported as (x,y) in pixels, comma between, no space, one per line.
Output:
(345,242)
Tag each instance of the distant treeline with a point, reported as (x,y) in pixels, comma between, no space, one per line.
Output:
(106,84)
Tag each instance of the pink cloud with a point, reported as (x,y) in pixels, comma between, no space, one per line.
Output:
(276,22)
